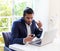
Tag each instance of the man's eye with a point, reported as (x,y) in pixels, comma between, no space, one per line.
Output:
(28,18)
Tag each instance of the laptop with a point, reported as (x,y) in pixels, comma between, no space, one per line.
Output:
(47,38)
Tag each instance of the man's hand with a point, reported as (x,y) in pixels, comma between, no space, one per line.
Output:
(39,24)
(29,38)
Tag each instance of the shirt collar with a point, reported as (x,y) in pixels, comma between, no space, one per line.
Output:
(28,25)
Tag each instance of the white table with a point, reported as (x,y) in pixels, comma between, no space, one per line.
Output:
(49,47)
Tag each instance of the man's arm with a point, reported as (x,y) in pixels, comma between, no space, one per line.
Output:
(15,34)
(39,30)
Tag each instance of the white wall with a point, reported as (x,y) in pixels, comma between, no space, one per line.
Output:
(54,15)
(41,11)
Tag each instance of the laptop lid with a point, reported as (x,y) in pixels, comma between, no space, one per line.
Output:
(49,37)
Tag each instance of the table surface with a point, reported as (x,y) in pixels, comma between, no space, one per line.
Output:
(55,46)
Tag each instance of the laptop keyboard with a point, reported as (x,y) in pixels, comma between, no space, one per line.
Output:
(36,42)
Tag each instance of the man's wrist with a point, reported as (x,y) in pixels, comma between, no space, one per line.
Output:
(40,29)
(24,41)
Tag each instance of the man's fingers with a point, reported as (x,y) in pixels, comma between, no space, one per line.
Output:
(32,35)
(39,24)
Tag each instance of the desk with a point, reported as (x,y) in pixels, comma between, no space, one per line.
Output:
(49,47)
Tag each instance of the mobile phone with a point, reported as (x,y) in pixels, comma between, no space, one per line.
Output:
(32,36)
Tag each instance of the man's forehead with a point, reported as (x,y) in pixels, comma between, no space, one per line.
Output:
(29,15)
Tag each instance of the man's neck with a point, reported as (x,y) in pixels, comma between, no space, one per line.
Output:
(28,24)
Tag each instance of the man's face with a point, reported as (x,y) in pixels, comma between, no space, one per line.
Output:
(28,18)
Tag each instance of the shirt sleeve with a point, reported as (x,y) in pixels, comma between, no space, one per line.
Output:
(24,41)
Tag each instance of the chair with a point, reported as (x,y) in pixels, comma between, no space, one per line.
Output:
(7,37)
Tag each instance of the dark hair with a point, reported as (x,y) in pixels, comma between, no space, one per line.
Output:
(28,11)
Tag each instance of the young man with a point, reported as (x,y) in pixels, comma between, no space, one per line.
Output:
(25,29)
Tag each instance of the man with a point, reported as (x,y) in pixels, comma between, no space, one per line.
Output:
(25,29)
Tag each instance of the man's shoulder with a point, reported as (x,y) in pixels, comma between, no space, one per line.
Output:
(18,21)
(33,22)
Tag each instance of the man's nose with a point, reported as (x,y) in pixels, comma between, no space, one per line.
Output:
(30,20)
